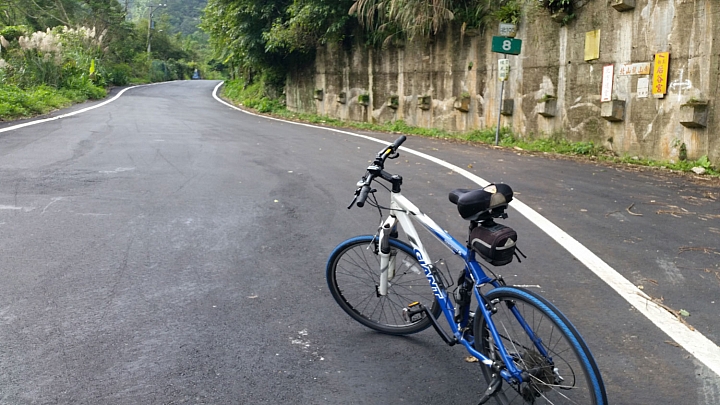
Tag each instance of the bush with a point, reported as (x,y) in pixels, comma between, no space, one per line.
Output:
(12,102)
(119,75)
(13,32)
(252,95)
(17,103)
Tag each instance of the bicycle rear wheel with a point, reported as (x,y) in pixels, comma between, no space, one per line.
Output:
(568,373)
(353,277)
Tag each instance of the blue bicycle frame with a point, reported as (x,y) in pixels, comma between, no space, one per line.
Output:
(403,211)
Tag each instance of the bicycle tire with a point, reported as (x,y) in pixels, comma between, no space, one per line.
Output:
(582,382)
(353,275)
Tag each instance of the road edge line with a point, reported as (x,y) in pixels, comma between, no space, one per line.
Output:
(70,114)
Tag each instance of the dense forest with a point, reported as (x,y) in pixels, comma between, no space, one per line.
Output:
(182,16)
(56,52)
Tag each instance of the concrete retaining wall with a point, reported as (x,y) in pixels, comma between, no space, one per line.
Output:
(552,62)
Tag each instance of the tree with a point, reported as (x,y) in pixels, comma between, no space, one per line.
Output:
(309,23)
(236,30)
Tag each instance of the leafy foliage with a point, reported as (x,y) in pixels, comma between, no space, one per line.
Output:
(252,96)
(407,19)
(269,37)
(307,24)
(509,11)
(236,30)
(414,18)
(555,6)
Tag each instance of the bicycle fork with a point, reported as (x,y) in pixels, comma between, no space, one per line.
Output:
(387,255)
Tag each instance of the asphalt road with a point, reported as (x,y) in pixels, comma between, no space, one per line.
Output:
(165,248)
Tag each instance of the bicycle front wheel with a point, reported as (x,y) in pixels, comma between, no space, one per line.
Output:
(559,366)
(353,275)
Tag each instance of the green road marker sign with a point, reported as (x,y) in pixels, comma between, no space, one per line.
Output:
(506,45)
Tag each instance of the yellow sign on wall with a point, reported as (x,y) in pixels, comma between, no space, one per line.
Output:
(660,74)
(592,45)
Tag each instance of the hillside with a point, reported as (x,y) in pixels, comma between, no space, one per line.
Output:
(182,16)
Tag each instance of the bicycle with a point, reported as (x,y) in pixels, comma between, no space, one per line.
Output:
(529,351)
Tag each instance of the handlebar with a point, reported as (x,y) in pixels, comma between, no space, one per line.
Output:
(389,151)
(398,142)
(364,190)
(376,169)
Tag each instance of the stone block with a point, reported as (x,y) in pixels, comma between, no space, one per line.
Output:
(393,102)
(623,5)
(613,110)
(694,115)
(508,105)
(547,108)
(462,104)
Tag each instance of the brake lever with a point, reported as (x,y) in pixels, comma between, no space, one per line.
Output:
(357,193)
(394,155)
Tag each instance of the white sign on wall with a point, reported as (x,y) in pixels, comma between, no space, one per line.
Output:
(503,69)
(507,30)
(643,86)
(607,83)
(642,68)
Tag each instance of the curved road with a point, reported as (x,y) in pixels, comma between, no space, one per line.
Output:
(165,248)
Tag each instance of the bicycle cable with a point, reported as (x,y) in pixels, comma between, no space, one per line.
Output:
(494,275)
(374,202)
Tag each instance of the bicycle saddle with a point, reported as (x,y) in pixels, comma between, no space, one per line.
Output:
(482,203)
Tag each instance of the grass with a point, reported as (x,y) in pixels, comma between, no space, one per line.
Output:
(20,103)
(251,96)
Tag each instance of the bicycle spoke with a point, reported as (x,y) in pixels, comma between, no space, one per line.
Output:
(527,330)
(354,277)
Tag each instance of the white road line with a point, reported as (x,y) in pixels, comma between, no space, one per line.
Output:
(694,342)
(70,114)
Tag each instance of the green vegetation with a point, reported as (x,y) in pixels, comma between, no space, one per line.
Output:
(44,70)
(57,52)
(509,12)
(266,39)
(254,97)
(15,102)
(562,10)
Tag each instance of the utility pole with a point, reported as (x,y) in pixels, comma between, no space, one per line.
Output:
(151,26)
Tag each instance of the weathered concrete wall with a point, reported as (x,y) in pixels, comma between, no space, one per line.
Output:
(551,63)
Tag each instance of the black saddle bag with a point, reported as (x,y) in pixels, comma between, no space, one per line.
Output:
(496,243)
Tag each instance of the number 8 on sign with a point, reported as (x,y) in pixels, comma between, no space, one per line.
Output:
(506,45)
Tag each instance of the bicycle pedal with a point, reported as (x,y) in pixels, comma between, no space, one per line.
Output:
(409,313)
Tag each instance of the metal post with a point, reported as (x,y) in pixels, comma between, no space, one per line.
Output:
(149,29)
(497,130)
(150,26)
